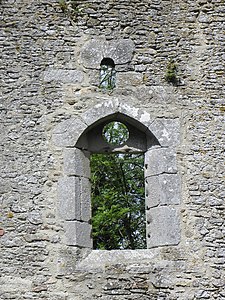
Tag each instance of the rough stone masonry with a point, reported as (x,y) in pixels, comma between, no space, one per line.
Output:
(51,52)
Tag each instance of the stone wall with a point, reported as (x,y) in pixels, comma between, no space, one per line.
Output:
(46,78)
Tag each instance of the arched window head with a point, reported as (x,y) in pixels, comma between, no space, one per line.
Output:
(107,74)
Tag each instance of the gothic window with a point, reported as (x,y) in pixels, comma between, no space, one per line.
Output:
(82,137)
(107,74)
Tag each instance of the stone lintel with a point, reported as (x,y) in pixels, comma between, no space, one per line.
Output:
(62,75)
(92,53)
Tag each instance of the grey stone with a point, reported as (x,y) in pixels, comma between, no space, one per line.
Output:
(101,110)
(160,160)
(166,131)
(152,191)
(95,50)
(35,217)
(62,75)
(170,188)
(92,54)
(163,226)
(78,234)
(69,195)
(163,189)
(76,162)
(85,199)
(66,133)
(120,51)
(45,79)
(100,259)
(136,113)
(129,78)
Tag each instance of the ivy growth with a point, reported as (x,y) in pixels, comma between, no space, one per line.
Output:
(171,73)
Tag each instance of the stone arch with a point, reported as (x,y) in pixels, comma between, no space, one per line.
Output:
(162,181)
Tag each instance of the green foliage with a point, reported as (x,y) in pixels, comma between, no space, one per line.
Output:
(115,133)
(171,73)
(118,204)
(71,8)
(63,5)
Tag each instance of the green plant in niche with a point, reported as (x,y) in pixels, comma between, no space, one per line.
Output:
(71,8)
(63,5)
(171,73)
(75,6)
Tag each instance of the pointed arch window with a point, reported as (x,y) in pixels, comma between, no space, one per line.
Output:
(107,74)
(162,181)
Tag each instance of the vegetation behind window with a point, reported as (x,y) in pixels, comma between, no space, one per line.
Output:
(107,74)
(115,133)
(118,200)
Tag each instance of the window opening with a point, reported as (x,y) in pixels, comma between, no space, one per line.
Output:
(115,133)
(107,74)
(118,201)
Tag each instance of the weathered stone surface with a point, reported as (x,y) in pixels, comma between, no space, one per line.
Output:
(129,79)
(114,106)
(163,226)
(101,110)
(164,189)
(140,115)
(76,162)
(67,132)
(170,187)
(61,75)
(92,54)
(94,51)
(99,259)
(85,199)
(120,51)
(152,191)
(46,80)
(69,195)
(160,160)
(78,234)
(167,131)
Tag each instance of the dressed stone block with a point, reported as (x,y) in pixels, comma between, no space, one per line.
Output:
(69,198)
(163,226)
(163,189)
(85,199)
(166,131)
(152,192)
(160,160)
(78,234)
(170,188)
(76,162)
(67,132)
(61,75)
